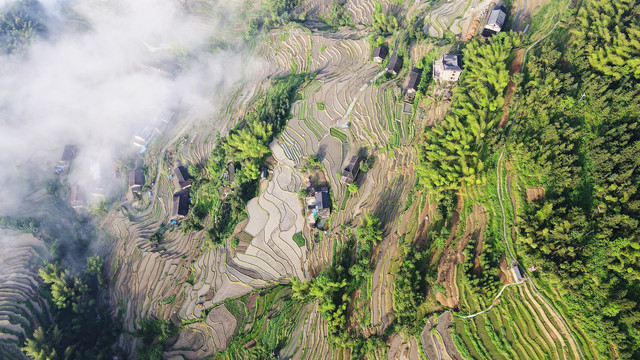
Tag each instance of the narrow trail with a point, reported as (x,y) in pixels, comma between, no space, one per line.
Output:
(343,122)
(499,187)
(492,304)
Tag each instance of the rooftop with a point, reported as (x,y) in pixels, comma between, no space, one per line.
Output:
(350,172)
(381,52)
(182,176)
(395,64)
(68,153)
(451,62)
(322,199)
(136,177)
(414,78)
(180,204)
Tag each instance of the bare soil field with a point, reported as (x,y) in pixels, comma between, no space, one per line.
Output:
(516,64)
(535,194)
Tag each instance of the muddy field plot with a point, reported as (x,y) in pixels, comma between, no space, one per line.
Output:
(535,194)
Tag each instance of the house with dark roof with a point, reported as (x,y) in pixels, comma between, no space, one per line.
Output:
(68,154)
(394,65)
(323,203)
(350,172)
(495,22)
(380,53)
(414,80)
(181,177)
(77,198)
(180,205)
(136,180)
(447,68)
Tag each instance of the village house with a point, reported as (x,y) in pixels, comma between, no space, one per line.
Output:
(318,205)
(414,80)
(180,205)
(77,199)
(380,53)
(395,65)
(447,68)
(181,178)
(323,203)
(68,154)
(350,172)
(496,20)
(136,180)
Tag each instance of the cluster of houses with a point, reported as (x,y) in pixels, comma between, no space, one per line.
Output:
(181,181)
(318,200)
(448,67)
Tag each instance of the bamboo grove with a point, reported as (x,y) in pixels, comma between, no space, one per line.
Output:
(452,153)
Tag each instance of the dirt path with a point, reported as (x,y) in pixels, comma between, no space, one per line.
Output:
(344,121)
(494,303)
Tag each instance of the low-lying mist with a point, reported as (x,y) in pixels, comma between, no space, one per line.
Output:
(95,73)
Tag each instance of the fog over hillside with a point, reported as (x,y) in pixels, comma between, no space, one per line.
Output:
(98,73)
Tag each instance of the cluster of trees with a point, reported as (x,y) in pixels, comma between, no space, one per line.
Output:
(409,286)
(579,137)
(247,147)
(334,288)
(337,17)
(153,335)
(275,14)
(426,64)
(384,23)
(484,280)
(82,327)
(609,34)
(452,153)
(20,23)
(29,225)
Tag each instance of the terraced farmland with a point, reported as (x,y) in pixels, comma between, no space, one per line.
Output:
(518,327)
(454,16)
(21,307)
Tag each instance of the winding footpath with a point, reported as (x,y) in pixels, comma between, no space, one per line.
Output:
(342,123)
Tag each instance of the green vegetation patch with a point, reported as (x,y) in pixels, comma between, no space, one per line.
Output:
(299,239)
(338,134)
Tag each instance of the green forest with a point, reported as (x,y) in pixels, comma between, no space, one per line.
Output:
(20,23)
(578,136)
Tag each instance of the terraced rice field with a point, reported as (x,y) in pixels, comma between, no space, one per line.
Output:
(452,16)
(274,218)
(520,326)
(21,308)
